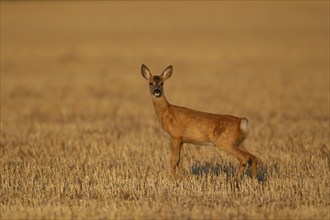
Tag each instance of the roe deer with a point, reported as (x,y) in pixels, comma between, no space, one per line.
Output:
(183,125)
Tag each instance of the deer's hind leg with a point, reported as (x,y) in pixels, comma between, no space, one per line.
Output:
(243,156)
(253,161)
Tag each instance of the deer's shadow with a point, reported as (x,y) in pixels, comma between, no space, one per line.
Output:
(230,170)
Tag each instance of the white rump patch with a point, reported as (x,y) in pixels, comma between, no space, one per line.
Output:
(244,126)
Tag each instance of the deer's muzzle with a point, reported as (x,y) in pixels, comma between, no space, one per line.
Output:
(157,93)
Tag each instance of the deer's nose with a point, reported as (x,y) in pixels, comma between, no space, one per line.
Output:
(157,92)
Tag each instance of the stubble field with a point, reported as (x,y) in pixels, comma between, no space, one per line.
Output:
(79,136)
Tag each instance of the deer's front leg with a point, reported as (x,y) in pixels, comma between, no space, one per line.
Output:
(180,164)
(175,155)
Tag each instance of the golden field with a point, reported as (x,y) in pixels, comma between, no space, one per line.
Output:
(79,136)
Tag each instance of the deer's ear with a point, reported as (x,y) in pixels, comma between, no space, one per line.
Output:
(167,73)
(145,72)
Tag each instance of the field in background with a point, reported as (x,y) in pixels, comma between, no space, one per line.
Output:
(79,137)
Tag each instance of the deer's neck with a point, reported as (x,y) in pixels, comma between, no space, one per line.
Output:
(161,106)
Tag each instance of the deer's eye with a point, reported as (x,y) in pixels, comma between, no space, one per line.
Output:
(151,84)
(161,84)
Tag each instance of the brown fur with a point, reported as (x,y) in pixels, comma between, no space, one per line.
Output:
(183,125)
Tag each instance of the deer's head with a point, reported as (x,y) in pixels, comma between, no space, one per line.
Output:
(156,82)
